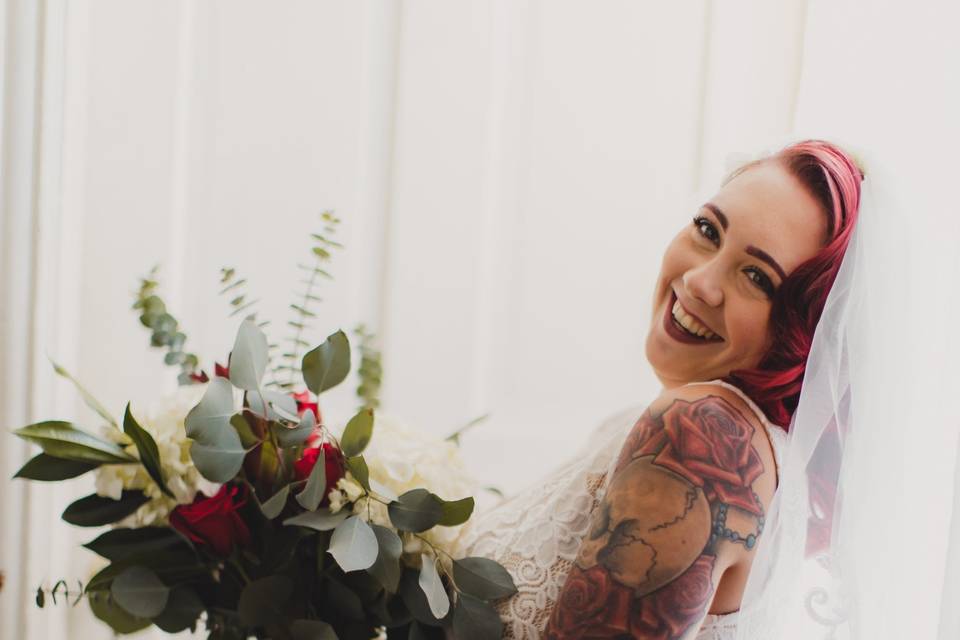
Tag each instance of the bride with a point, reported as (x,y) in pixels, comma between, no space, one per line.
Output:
(652,530)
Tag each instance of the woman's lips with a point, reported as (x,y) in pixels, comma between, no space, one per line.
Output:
(674,331)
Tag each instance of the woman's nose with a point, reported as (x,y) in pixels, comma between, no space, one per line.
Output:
(703,283)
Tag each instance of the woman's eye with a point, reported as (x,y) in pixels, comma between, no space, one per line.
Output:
(760,279)
(706,229)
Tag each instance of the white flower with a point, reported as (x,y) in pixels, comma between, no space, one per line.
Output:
(402,458)
(164,421)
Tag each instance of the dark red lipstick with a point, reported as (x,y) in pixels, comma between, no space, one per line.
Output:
(678,333)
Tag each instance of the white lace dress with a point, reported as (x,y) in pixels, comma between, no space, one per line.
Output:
(536,534)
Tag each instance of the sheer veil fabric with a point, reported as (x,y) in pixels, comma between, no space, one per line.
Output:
(834,560)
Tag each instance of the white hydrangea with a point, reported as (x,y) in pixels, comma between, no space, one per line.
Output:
(164,421)
(402,458)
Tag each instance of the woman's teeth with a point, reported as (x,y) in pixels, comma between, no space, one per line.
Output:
(688,323)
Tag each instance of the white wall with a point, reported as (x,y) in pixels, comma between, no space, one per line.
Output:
(507,173)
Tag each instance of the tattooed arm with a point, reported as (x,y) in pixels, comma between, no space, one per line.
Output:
(686,502)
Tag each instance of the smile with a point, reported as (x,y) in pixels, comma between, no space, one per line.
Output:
(683,327)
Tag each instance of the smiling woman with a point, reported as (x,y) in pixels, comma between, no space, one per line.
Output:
(720,276)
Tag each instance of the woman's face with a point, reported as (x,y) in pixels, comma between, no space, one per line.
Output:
(711,306)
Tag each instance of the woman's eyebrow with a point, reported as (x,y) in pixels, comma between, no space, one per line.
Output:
(766,257)
(721,216)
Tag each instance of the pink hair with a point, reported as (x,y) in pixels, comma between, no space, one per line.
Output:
(833,178)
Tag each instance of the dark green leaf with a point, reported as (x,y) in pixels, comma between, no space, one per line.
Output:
(320,520)
(120,543)
(104,608)
(182,610)
(361,473)
(140,592)
(47,468)
(429,581)
(40,597)
(313,493)
(173,564)
(456,512)
(216,448)
(95,511)
(387,567)
(475,619)
(327,365)
(274,505)
(147,448)
(357,434)
(263,601)
(483,578)
(249,359)
(353,544)
(312,630)
(242,427)
(64,440)
(344,599)
(416,510)
(88,398)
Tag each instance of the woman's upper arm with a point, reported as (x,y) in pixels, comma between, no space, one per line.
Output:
(686,500)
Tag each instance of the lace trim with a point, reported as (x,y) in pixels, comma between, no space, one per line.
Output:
(536,534)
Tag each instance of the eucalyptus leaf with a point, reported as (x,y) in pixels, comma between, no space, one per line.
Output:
(279,405)
(249,357)
(64,440)
(140,592)
(263,600)
(429,581)
(247,438)
(327,365)
(312,630)
(387,567)
(473,618)
(312,495)
(357,433)
(383,490)
(147,448)
(95,511)
(416,510)
(483,578)
(294,437)
(216,448)
(456,512)
(182,611)
(105,608)
(414,598)
(275,504)
(320,520)
(48,469)
(343,599)
(88,398)
(353,544)
(361,473)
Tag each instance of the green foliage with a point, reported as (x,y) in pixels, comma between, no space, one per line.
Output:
(164,328)
(216,449)
(416,510)
(249,357)
(140,592)
(96,511)
(432,587)
(456,512)
(147,448)
(118,544)
(387,568)
(327,366)
(88,398)
(263,601)
(313,493)
(302,310)
(354,544)
(48,469)
(320,520)
(482,578)
(357,433)
(370,370)
(473,618)
(64,440)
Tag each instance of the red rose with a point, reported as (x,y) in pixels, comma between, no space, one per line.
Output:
(333,465)
(221,371)
(591,601)
(710,445)
(214,521)
(668,612)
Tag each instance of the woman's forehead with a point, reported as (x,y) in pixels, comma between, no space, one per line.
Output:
(765,206)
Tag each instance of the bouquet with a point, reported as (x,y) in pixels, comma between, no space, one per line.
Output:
(232,502)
